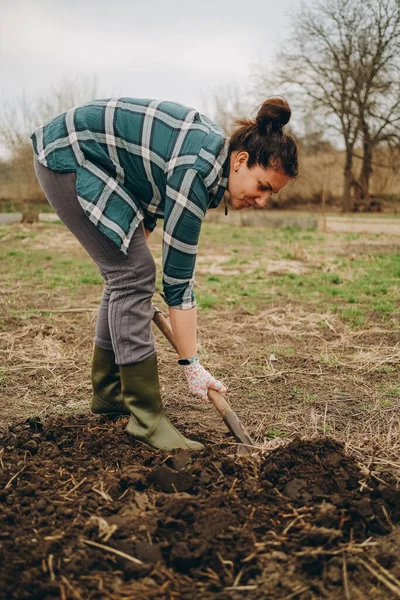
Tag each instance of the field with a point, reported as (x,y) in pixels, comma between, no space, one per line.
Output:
(304,329)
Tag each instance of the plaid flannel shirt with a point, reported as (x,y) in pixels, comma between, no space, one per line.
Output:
(140,160)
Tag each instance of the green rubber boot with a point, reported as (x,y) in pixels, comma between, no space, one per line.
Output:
(107,397)
(148,423)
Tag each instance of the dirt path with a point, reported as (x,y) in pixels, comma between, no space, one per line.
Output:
(357,224)
(309,221)
(328,224)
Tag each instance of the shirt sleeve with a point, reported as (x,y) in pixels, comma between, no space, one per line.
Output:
(150,222)
(185,208)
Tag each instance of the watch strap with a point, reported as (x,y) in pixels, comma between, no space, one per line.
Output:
(188,361)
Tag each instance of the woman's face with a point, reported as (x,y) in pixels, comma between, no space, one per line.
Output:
(248,187)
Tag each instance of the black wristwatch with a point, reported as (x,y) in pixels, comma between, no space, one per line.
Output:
(188,361)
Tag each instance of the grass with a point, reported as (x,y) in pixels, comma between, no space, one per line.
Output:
(304,395)
(394,392)
(206,301)
(283,351)
(360,285)
(46,270)
(354,288)
(275,433)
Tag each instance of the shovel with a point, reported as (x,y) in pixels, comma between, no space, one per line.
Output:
(229,417)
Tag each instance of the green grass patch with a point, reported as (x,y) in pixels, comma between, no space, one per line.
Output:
(48,271)
(364,287)
(280,351)
(386,369)
(394,392)
(206,301)
(275,433)
(304,395)
(356,289)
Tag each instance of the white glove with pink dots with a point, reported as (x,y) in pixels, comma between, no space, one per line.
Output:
(199,379)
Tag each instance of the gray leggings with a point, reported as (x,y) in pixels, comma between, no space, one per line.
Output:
(125,313)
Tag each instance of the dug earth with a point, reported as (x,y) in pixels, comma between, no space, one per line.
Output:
(84,516)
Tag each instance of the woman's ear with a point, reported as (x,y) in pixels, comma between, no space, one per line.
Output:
(241,158)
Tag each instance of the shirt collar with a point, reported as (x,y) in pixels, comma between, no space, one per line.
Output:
(221,185)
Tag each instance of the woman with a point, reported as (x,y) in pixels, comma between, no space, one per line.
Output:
(110,169)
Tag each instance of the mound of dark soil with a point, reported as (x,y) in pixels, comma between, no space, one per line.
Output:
(87,513)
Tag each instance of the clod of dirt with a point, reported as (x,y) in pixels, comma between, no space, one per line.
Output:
(180,460)
(148,553)
(293,487)
(171,481)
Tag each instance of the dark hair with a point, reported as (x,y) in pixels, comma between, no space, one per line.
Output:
(265,140)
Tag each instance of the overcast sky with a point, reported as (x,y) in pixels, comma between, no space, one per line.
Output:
(166,49)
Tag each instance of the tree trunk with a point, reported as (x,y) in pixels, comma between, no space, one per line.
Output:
(366,170)
(347,201)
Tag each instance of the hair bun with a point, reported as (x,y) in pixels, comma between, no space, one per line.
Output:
(273,115)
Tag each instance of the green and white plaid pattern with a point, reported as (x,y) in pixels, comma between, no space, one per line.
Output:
(140,160)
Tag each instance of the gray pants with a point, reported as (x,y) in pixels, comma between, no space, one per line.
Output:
(125,313)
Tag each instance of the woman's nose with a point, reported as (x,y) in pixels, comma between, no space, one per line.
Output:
(262,200)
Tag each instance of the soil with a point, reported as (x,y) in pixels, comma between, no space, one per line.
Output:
(294,522)
(306,517)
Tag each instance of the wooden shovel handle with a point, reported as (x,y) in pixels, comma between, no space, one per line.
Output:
(230,418)
(164,327)
(216,398)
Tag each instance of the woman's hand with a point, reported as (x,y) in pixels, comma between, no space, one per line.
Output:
(199,380)
(184,327)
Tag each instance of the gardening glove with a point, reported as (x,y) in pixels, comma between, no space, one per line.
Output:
(199,379)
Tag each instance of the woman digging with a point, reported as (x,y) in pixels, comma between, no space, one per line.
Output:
(110,169)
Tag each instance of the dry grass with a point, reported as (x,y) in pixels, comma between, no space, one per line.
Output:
(41,371)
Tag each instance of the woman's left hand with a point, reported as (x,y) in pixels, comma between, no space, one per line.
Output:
(199,380)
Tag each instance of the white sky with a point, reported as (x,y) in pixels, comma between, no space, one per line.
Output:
(167,49)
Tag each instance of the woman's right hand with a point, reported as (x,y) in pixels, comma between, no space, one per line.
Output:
(200,380)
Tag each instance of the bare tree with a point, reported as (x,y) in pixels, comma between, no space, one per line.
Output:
(320,67)
(18,120)
(377,81)
(342,76)
(21,117)
(225,104)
